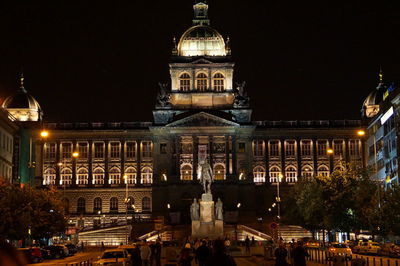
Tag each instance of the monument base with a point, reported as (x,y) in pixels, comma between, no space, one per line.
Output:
(207,226)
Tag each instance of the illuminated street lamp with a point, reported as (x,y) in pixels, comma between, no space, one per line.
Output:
(44,133)
(361,133)
(75,154)
(329,151)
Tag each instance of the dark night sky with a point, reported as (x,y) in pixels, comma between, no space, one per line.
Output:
(102,60)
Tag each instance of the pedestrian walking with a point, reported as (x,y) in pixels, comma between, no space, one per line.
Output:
(157,250)
(185,258)
(299,255)
(145,253)
(281,255)
(219,256)
(202,253)
(247,244)
(136,259)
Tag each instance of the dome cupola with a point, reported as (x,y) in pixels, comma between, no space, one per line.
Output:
(22,105)
(201,39)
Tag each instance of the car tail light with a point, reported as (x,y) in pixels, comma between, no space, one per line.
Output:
(332,249)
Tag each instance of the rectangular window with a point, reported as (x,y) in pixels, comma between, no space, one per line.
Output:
(83,149)
(306,148)
(338,147)
(98,150)
(290,148)
(258,148)
(130,150)
(354,146)
(274,148)
(322,147)
(115,150)
(66,150)
(242,147)
(163,148)
(371,151)
(50,151)
(147,149)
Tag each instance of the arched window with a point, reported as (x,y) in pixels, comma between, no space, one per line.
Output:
(218,82)
(65,203)
(259,174)
(274,173)
(114,176)
(66,177)
(146,175)
(184,82)
(49,177)
(338,168)
(307,172)
(201,82)
(131,174)
(186,172)
(219,172)
(323,170)
(131,203)
(97,205)
(145,204)
(82,176)
(81,205)
(114,204)
(291,174)
(98,176)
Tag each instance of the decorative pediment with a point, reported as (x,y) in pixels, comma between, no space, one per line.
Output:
(202,61)
(202,119)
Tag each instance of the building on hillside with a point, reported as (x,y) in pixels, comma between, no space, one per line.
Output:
(202,113)
(380,111)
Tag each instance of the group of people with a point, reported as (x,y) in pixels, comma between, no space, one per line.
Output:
(297,254)
(147,254)
(206,253)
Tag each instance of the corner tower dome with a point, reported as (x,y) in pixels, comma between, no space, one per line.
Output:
(22,105)
(201,39)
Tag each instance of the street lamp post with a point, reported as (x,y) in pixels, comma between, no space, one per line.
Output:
(126,209)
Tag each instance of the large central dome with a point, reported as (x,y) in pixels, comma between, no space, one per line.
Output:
(201,40)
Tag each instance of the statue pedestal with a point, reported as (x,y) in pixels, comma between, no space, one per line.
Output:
(207,226)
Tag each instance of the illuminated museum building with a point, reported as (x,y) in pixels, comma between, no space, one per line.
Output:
(202,111)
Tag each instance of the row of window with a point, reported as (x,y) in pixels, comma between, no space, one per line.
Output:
(6,142)
(306,147)
(98,176)
(187,172)
(291,173)
(98,204)
(201,82)
(98,150)
(5,170)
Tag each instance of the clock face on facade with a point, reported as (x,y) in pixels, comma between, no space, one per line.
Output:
(372,111)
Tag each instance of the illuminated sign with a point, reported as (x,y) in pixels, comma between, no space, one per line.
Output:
(387,115)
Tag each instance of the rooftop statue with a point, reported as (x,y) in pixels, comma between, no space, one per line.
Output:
(241,98)
(163,97)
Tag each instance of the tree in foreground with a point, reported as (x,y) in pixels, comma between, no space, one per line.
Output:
(30,213)
(346,201)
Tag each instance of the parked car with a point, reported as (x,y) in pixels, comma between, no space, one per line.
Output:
(339,249)
(390,250)
(367,247)
(57,251)
(32,254)
(72,249)
(116,256)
